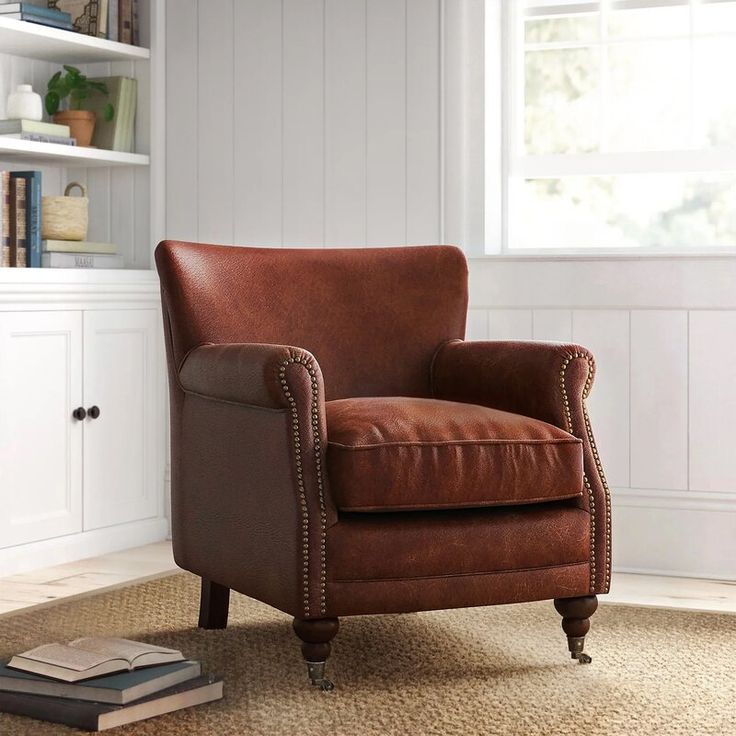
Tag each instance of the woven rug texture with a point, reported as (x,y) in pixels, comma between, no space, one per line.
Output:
(497,670)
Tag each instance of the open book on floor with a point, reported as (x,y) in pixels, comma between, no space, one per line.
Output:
(91,657)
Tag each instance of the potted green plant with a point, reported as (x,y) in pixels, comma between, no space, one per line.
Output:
(77,88)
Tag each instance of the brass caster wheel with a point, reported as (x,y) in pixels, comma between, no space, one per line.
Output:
(582,657)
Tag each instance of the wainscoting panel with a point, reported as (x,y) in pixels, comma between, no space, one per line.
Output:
(712,400)
(663,331)
(659,399)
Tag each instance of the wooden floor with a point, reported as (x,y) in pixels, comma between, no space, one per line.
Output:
(51,584)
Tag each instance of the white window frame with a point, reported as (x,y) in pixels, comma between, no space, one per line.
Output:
(508,167)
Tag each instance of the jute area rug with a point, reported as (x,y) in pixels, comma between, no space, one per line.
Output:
(502,670)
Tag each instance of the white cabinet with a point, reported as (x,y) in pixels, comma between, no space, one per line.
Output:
(119,445)
(65,477)
(40,442)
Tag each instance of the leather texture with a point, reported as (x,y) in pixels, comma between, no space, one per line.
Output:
(363,313)
(401,453)
(262,343)
(546,381)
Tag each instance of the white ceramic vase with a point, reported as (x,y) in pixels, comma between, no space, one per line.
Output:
(24,104)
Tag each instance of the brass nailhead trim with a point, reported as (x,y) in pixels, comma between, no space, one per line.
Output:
(314,413)
(591,441)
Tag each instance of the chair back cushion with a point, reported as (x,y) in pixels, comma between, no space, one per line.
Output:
(373,317)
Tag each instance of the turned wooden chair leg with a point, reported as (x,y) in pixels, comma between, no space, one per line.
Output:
(576,613)
(316,635)
(214,603)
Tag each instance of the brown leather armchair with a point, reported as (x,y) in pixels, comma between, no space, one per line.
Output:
(337,449)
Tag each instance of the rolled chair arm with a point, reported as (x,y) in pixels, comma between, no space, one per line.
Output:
(254,441)
(544,380)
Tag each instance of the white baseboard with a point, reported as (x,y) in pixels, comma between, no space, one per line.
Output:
(49,552)
(676,533)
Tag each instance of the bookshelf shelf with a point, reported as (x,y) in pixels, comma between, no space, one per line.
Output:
(21,38)
(49,153)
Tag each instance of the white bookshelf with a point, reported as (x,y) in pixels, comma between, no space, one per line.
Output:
(33,41)
(125,189)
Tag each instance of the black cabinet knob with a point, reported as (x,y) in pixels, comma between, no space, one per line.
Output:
(93,412)
(79,413)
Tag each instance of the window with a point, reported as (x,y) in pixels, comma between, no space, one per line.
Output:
(620,125)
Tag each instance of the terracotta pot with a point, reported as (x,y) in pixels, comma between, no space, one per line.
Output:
(80,122)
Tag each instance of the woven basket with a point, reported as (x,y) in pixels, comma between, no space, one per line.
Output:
(65,218)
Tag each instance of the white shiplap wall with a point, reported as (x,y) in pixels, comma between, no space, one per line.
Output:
(354,122)
(304,122)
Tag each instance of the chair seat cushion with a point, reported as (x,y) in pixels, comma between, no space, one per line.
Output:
(401,454)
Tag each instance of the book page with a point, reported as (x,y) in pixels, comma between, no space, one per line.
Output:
(119,648)
(71,658)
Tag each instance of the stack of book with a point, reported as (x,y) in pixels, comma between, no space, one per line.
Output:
(34,130)
(20,205)
(36,11)
(96,684)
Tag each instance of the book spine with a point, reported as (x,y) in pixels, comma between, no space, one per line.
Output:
(136,30)
(19,236)
(112,20)
(102,18)
(43,138)
(80,260)
(5,219)
(60,711)
(125,20)
(33,219)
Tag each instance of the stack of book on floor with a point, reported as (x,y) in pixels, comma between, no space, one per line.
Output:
(79,254)
(20,215)
(96,683)
(36,11)
(34,130)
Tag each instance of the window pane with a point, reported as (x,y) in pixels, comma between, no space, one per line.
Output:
(648,97)
(643,210)
(561,101)
(574,28)
(715,94)
(649,22)
(715,17)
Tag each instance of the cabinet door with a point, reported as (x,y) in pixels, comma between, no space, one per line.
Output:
(120,378)
(40,441)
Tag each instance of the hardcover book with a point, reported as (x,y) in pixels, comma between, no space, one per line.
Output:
(115,689)
(5,217)
(28,18)
(115,134)
(101,716)
(33,215)
(34,126)
(125,20)
(18,235)
(78,246)
(80,260)
(91,657)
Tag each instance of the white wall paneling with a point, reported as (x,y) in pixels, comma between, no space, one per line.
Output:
(712,400)
(663,332)
(320,126)
(659,399)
